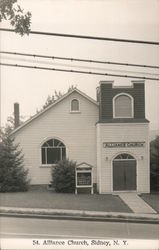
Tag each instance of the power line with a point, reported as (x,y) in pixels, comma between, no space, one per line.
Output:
(78,71)
(78,59)
(53,63)
(87,37)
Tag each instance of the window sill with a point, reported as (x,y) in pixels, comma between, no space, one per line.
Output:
(75,112)
(47,165)
(121,117)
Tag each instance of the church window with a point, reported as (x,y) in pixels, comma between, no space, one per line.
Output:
(52,151)
(74,105)
(123,106)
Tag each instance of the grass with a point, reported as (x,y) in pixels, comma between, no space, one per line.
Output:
(49,199)
(152,200)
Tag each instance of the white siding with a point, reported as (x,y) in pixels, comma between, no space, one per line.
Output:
(76,130)
(98,159)
(123,133)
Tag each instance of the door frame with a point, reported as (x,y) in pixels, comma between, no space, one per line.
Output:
(135,158)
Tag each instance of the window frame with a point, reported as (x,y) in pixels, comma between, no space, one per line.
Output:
(132,105)
(75,111)
(124,157)
(61,153)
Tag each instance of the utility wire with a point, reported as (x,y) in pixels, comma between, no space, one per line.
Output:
(53,63)
(78,71)
(87,37)
(78,59)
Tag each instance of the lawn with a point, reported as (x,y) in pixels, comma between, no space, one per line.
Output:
(152,200)
(49,199)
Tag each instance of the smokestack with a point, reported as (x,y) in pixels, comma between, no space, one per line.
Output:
(16,115)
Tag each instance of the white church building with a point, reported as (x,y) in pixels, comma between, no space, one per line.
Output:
(110,134)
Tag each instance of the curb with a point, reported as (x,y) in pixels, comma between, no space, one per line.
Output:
(61,214)
(83,218)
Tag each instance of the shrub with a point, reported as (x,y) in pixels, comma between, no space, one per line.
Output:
(63,176)
(154,164)
(13,176)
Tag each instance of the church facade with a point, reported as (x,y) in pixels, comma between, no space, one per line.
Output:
(110,134)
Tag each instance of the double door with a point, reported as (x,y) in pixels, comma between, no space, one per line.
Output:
(124,175)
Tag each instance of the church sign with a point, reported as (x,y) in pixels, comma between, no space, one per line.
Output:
(84,177)
(123,144)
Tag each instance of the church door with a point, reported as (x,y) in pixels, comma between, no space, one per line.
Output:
(124,173)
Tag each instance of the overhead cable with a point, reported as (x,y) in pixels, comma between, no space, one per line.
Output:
(78,59)
(78,71)
(87,37)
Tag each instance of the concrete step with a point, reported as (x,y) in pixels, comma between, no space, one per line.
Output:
(136,204)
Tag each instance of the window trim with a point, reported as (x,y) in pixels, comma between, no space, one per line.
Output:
(44,141)
(132,158)
(132,105)
(75,111)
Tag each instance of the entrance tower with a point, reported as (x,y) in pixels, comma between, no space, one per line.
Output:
(122,139)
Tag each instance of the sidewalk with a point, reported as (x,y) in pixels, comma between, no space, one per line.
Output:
(79,214)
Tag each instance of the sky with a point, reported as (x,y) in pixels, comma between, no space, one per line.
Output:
(125,19)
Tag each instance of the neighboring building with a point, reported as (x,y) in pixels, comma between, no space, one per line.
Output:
(110,134)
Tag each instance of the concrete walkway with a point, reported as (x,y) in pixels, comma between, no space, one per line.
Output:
(136,204)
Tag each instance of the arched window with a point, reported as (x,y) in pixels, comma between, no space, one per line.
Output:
(123,106)
(123,156)
(52,151)
(74,105)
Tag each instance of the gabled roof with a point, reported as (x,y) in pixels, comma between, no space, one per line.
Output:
(84,163)
(52,105)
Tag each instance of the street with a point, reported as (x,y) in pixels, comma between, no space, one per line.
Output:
(46,228)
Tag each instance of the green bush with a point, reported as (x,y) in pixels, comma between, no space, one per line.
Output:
(13,176)
(63,176)
(154,164)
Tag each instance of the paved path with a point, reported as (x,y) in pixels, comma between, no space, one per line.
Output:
(137,204)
